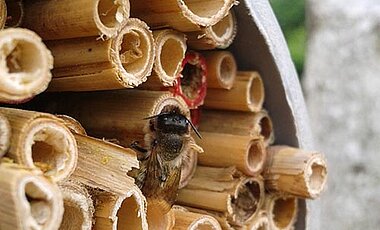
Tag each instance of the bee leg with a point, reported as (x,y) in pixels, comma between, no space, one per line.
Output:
(142,153)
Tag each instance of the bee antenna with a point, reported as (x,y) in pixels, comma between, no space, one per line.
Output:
(154,116)
(195,129)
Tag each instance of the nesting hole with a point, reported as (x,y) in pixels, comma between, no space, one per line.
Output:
(247,201)
(284,212)
(73,217)
(266,127)
(221,28)
(171,57)
(256,91)
(205,9)
(255,155)
(205,226)
(133,51)
(14,13)
(39,205)
(317,177)
(227,68)
(107,10)
(128,215)
(191,80)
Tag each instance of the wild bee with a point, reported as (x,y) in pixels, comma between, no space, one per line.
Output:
(160,165)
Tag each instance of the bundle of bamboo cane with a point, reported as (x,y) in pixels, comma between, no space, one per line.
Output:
(25,65)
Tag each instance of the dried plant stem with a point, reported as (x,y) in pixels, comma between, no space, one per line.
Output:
(220,35)
(3,13)
(224,190)
(247,94)
(104,165)
(72,124)
(75,18)
(28,200)
(238,123)
(185,219)
(5,135)
(40,140)
(221,69)
(158,219)
(222,150)
(281,211)
(180,14)
(116,212)
(88,64)
(25,65)
(78,205)
(295,171)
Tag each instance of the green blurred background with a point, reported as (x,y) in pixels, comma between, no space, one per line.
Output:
(291,16)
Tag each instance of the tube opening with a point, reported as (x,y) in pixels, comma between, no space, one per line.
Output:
(128,216)
(255,156)
(133,51)
(227,68)
(172,54)
(73,217)
(284,210)
(223,27)
(256,92)
(203,9)
(246,203)
(22,57)
(14,13)
(191,81)
(37,199)
(107,11)
(205,226)
(317,177)
(266,127)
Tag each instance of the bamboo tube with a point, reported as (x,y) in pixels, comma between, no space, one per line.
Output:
(238,123)
(28,200)
(104,165)
(14,13)
(192,84)
(220,217)
(118,212)
(78,205)
(224,190)
(157,219)
(258,222)
(40,140)
(3,14)
(295,171)
(222,150)
(189,165)
(75,18)
(72,124)
(185,219)
(119,114)
(25,65)
(5,135)
(221,69)
(282,212)
(247,94)
(220,35)
(182,15)
(170,47)
(87,64)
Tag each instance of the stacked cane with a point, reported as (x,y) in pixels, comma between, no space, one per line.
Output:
(57,174)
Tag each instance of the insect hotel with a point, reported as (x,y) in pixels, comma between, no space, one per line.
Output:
(131,114)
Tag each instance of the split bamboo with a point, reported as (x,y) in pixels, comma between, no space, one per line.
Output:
(25,65)
(224,190)
(120,114)
(192,84)
(40,140)
(220,35)
(3,13)
(72,124)
(281,211)
(185,219)
(28,200)
(104,165)
(247,153)
(182,15)
(14,12)
(159,219)
(247,94)
(189,165)
(75,18)
(117,212)
(78,205)
(87,64)
(295,171)
(221,69)
(238,123)
(5,135)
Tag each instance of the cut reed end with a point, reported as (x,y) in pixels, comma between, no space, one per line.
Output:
(316,175)
(185,219)
(157,219)
(192,85)
(5,135)
(247,200)
(78,207)
(282,212)
(25,65)
(222,69)
(256,157)
(50,146)
(170,51)
(110,15)
(134,52)
(72,124)
(205,13)
(132,213)
(265,127)
(256,93)
(15,13)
